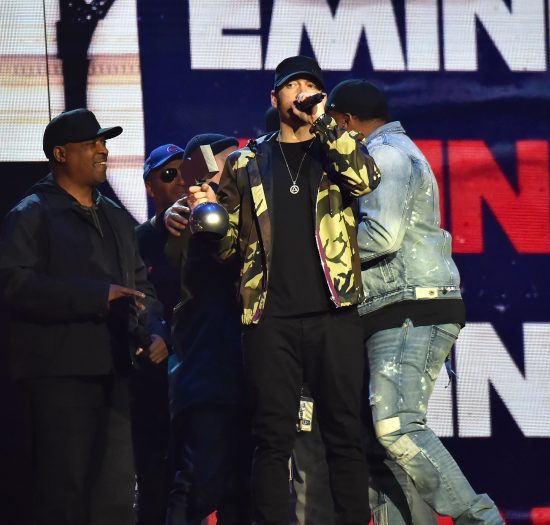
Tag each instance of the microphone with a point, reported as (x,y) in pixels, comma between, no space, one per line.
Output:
(306,104)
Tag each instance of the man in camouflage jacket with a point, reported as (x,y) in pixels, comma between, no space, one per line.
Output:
(245,193)
(300,280)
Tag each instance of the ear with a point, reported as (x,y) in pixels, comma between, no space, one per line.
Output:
(274,99)
(59,154)
(149,189)
(348,121)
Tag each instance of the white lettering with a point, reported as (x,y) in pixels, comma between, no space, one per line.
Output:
(518,34)
(482,360)
(210,48)
(421,17)
(334,40)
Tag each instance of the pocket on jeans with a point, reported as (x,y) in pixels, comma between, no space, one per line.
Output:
(387,270)
(442,339)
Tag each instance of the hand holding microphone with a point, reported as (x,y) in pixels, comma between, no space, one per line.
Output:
(309,105)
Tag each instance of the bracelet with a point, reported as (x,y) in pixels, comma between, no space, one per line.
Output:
(321,122)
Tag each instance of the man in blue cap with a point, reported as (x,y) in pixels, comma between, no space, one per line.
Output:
(163,177)
(164,184)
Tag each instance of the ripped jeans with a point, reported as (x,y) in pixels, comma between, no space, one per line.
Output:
(404,364)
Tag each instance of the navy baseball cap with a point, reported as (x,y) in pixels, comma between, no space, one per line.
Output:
(76,125)
(298,67)
(360,98)
(216,141)
(160,156)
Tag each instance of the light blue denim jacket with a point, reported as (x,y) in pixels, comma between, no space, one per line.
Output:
(405,255)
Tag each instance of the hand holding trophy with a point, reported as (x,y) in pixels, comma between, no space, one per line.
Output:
(207,217)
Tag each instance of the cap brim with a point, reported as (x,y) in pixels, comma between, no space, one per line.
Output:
(223,144)
(300,74)
(109,133)
(162,162)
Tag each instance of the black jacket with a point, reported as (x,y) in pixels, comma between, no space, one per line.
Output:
(151,240)
(206,328)
(55,288)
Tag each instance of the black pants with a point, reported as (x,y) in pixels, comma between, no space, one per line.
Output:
(82,465)
(211,458)
(150,432)
(393,493)
(326,352)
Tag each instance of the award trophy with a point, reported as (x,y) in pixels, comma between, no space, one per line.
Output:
(209,217)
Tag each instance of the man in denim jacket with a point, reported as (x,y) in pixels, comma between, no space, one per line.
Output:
(413,310)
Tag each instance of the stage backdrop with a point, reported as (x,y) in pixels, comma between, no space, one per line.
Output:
(469,81)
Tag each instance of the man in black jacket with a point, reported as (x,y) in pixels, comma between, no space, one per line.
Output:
(210,437)
(81,311)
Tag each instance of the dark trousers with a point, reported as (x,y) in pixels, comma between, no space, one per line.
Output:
(211,458)
(150,432)
(82,451)
(393,496)
(326,352)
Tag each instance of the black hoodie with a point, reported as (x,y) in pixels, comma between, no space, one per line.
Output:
(55,285)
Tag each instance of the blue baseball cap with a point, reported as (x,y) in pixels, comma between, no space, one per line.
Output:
(160,156)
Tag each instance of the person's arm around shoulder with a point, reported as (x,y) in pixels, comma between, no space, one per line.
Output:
(348,156)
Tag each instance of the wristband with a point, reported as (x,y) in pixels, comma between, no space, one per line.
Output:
(322,123)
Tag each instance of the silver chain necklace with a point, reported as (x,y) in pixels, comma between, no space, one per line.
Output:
(294,188)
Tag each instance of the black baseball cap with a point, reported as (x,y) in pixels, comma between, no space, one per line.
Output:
(360,98)
(216,141)
(298,67)
(76,125)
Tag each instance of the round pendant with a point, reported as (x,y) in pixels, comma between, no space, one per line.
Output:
(294,189)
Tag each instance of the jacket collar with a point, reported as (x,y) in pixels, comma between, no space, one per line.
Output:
(48,185)
(261,166)
(260,175)
(390,127)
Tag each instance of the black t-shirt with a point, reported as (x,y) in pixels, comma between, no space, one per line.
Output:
(297,285)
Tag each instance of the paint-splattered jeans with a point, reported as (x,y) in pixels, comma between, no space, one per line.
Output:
(404,364)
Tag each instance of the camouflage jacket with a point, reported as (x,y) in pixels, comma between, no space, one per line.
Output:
(246,192)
